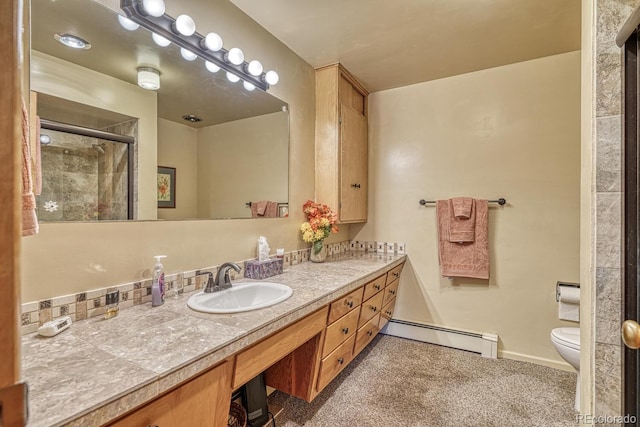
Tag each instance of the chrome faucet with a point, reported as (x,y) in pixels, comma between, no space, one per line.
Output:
(222,280)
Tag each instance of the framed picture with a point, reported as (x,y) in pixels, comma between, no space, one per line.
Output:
(283,210)
(166,187)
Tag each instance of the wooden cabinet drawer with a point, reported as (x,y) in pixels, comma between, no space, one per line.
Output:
(335,362)
(202,401)
(373,287)
(342,306)
(366,333)
(339,331)
(394,273)
(370,308)
(256,359)
(387,313)
(390,291)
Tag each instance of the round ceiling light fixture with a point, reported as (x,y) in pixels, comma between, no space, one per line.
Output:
(192,118)
(72,41)
(148,78)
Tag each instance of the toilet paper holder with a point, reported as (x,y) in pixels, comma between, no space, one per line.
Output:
(558,284)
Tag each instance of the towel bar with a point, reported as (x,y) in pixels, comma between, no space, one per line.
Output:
(499,201)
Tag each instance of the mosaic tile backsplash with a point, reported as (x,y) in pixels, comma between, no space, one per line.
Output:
(93,303)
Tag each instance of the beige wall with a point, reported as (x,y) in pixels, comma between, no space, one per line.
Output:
(178,148)
(512,132)
(242,161)
(68,258)
(63,79)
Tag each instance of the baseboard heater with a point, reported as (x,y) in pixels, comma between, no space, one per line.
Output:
(485,344)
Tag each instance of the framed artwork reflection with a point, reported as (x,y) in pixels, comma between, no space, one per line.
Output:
(166,187)
(283,210)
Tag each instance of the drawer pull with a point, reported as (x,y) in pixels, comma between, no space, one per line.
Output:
(345,330)
(370,333)
(396,274)
(392,292)
(389,313)
(355,185)
(340,361)
(377,287)
(349,304)
(374,309)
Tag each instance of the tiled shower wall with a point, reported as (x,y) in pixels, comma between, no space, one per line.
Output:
(610,16)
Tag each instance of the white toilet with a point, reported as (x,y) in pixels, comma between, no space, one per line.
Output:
(567,343)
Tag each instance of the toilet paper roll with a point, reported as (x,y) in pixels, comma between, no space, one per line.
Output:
(569,294)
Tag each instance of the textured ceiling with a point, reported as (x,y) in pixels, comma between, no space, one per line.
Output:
(393,43)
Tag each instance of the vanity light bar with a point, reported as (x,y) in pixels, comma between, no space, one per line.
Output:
(163,25)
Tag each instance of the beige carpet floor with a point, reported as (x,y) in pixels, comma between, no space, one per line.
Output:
(404,383)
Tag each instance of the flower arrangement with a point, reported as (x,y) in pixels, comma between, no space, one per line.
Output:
(320,223)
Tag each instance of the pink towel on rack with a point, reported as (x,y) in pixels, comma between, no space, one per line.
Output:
(29,219)
(466,259)
(462,219)
(264,209)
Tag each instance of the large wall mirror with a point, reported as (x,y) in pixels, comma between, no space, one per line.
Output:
(197,147)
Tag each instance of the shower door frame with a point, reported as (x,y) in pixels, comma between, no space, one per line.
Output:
(108,136)
(631,220)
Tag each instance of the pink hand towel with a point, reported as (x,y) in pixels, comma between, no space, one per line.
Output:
(467,259)
(271,211)
(462,219)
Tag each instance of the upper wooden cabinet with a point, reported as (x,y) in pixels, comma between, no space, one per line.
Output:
(341,143)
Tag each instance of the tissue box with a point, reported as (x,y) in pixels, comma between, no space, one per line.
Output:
(255,269)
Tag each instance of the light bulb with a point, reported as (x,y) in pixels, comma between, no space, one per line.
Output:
(154,7)
(127,23)
(254,68)
(187,54)
(213,42)
(235,56)
(160,41)
(271,77)
(248,86)
(184,25)
(232,77)
(211,66)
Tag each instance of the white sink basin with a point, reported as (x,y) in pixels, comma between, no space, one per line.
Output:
(244,296)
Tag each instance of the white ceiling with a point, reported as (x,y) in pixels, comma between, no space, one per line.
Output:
(393,43)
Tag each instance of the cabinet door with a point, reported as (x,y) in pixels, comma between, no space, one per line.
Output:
(353,165)
(203,401)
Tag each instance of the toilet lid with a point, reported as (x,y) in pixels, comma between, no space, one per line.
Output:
(568,336)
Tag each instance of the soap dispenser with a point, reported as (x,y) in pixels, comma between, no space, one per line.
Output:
(157,285)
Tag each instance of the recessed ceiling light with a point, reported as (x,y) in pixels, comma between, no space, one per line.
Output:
(192,118)
(70,40)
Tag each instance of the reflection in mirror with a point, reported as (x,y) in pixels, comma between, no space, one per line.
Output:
(236,154)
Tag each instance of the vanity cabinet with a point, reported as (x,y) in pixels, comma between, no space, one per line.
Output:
(203,401)
(341,143)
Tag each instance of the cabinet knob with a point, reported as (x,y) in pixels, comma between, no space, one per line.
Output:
(377,287)
(389,313)
(373,308)
(355,185)
(349,304)
(340,361)
(345,330)
(392,292)
(370,333)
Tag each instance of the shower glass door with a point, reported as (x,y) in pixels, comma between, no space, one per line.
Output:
(84,178)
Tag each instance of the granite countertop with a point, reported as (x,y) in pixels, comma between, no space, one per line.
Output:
(100,369)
